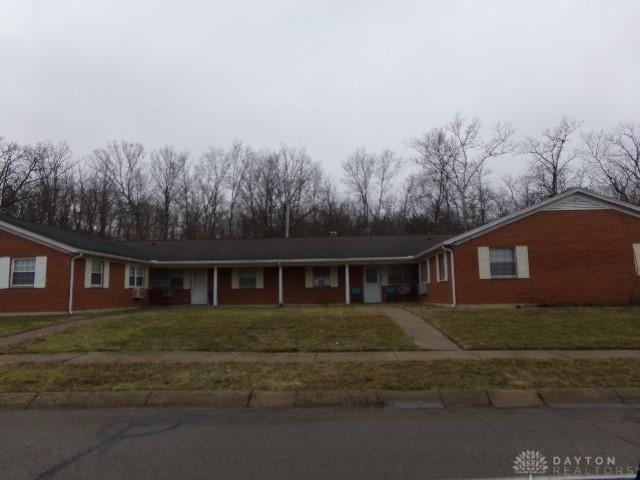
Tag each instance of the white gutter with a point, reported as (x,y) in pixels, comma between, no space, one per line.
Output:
(71,280)
(453,276)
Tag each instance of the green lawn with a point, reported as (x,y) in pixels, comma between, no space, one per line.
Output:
(18,324)
(259,329)
(480,374)
(537,328)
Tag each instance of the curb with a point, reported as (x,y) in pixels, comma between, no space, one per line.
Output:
(420,399)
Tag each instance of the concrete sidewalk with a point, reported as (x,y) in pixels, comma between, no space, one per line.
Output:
(423,334)
(307,357)
(505,398)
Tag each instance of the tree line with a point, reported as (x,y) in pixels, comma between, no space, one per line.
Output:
(123,191)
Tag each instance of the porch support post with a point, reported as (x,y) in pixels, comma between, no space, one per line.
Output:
(215,286)
(347,288)
(280,292)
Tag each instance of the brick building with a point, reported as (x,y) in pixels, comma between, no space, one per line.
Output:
(575,249)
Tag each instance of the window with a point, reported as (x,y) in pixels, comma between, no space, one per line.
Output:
(24,272)
(321,276)
(97,273)
(167,278)
(503,262)
(371,275)
(442,267)
(403,275)
(136,276)
(247,278)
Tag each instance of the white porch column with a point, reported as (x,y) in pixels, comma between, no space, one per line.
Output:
(347,287)
(280,292)
(215,286)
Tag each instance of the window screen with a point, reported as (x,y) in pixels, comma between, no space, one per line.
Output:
(24,272)
(503,262)
(321,276)
(247,278)
(97,269)
(136,276)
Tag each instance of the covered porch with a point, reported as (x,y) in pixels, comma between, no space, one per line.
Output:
(282,284)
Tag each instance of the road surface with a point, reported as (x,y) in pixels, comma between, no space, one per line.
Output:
(308,444)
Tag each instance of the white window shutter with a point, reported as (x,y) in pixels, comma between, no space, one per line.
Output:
(186,279)
(146,278)
(235,279)
(334,276)
(522,261)
(308,277)
(88,264)
(636,253)
(428,268)
(127,271)
(5,271)
(259,277)
(41,273)
(484,263)
(105,275)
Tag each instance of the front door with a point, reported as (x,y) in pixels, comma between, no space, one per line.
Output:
(372,293)
(199,287)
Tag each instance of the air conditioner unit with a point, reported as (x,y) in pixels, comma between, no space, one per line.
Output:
(322,282)
(422,289)
(138,293)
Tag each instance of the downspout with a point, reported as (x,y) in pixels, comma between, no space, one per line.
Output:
(71,279)
(453,277)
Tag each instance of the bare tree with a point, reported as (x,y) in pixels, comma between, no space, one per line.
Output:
(472,155)
(551,157)
(167,167)
(17,165)
(211,175)
(359,170)
(239,160)
(52,195)
(127,173)
(614,158)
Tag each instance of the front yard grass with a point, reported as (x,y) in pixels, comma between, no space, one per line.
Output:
(537,328)
(23,323)
(447,374)
(259,329)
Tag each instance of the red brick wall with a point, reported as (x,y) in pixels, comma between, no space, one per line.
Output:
(439,292)
(54,297)
(116,296)
(575,257)
(247,296)
(296,292)
(293,288)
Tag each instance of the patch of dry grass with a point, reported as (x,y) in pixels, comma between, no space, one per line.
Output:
(260,329)
(454,374)
(542,328)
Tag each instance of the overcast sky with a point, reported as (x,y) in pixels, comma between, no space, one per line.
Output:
(330,76)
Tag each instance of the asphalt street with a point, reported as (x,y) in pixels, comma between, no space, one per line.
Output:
(323,444)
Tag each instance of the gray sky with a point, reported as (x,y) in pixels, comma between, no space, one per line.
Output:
(327,75)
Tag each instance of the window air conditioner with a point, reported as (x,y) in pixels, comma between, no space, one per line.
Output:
(138,293)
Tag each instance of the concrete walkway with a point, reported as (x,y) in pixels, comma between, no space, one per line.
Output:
(423,334)
(307,357)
